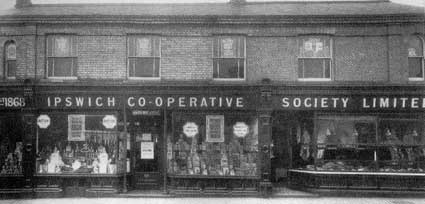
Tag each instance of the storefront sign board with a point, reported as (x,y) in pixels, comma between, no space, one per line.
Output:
(146,102)
(376,103)
(147,150)
(7,102)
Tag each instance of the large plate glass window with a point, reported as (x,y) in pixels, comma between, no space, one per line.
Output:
(401,145)
(315,58)
(61,56)
(10,59)
(213,144)
(345,143)
(415,58)
(144,55)
(79,144)
(229,57)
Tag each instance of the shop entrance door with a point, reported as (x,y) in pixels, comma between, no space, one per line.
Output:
(146,146)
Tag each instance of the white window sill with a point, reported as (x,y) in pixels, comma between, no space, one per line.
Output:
(10,78)
(144,78)
(229,79)
(59,79)
(416,79)
(314,79)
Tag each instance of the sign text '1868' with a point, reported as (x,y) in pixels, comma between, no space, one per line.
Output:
(12,102)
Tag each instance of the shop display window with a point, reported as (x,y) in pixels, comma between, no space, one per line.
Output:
(401,145)
(80,144)
(345,143)
(204,144)
(11,146)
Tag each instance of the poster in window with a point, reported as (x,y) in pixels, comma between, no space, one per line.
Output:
(308,45)
(147,150)
(62,46)
(76,127)
(228,47)
(412,52)
(319,46)
(215,128)
(144,47)
(11,51)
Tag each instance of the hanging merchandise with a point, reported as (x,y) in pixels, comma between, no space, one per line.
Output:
(305,145)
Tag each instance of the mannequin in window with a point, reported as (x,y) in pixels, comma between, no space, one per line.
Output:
(410,139)
(391,139)
(305,145)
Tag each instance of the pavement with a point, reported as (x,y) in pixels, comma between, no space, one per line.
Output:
(311,200)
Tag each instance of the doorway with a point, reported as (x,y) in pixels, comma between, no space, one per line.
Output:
(146,140)
(288,134)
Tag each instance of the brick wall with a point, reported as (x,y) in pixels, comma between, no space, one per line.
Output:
(101,57)
(360,52)
(360,59)
(186,58)
(271,57)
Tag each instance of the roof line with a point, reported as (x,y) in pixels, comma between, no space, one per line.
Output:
(210,3)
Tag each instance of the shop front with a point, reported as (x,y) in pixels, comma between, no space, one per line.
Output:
(79,144)
(171,139)
(194,141)
(353,138)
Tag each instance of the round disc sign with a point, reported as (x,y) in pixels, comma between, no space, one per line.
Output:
(43,121)
(109,121)
(240,129)
(190,129)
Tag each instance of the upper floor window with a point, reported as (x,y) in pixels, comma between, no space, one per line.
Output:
(61,56)
(143,56)
(10,59)
(229,57)
(415,58)
(314,59)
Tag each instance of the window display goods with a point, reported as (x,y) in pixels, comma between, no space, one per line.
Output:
(364,143)
(86,146)
(223,145)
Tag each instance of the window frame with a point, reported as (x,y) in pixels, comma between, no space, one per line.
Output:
(421,57)
(6,59)
(73,55)
(214,58)
(152,38)
(330,58)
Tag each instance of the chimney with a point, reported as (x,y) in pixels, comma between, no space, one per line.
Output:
(22,3)
(237,2)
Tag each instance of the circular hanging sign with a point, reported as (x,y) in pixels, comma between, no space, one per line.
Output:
(240,129)
(43,121)
(190,129)
(109,121)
